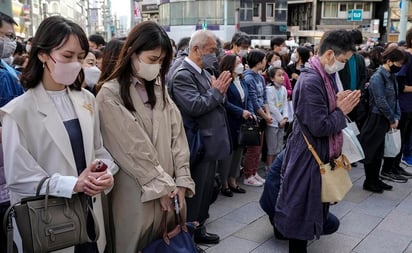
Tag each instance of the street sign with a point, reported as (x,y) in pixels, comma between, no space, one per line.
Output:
(355,15)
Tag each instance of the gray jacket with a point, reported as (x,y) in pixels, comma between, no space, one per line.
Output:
(202,108)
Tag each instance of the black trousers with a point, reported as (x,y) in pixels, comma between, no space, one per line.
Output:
(372,139)
(203,175)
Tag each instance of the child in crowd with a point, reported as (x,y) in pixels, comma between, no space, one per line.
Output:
(277,99)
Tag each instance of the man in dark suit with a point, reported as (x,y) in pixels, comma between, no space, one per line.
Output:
(200,97)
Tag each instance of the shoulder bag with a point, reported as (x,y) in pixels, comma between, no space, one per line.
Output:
(335,179)
(49,223)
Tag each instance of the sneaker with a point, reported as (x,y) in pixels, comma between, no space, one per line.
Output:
(401,171)
(252,181)
(259,178)
(393,177)
(407,161)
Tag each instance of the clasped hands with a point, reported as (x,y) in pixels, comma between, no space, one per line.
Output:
(347,100)
(222,82)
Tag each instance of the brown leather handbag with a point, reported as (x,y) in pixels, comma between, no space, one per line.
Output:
(48,223)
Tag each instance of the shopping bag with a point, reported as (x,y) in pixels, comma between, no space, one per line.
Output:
(392,143)
(352,125)
(351,147)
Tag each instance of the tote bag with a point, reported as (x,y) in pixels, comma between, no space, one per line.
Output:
(392,143)
(351,146)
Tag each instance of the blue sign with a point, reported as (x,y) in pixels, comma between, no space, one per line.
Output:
(355,15)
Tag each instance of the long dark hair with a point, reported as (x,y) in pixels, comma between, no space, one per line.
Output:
(144,36)
(52,33)
(228,62)
(110,55)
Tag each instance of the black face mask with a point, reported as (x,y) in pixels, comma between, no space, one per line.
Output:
(395,69)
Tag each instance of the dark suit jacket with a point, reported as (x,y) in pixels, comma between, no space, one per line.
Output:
(234,107)
(201,107)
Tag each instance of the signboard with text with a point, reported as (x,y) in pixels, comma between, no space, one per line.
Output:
(355,15)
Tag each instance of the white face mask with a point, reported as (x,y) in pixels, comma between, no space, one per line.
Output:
(7,47)
(367,62)
(283,51)
(147,71)
(28,48)
(239,69)
(91,76)
(277,64)
(242,53)
(337,66)
(294,57)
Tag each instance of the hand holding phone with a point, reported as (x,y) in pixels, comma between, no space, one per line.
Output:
(100,166)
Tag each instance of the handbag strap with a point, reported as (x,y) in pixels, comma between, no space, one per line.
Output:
(178,219)
(313,151)
(8,227)
(39,186)
(9,214)
(310,147)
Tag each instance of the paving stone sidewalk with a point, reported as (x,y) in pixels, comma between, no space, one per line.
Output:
(378,223)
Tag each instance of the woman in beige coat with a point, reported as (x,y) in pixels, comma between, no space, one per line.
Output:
(142,129)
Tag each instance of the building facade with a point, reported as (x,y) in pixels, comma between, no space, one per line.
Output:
(260,19)
(308,19)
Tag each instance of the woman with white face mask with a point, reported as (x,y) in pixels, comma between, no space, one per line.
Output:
(239,109)
(142,128)
(53,129)
(320,115)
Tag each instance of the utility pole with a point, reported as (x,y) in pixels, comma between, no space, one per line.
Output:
(403,19)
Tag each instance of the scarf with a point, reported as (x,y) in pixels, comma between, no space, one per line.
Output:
(335,140)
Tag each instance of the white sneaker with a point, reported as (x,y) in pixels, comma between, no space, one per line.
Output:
(252,181)
(259,178)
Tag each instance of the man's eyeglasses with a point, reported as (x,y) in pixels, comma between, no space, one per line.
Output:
(11,36)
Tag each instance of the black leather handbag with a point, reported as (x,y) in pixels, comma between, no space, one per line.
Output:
(49,223)
(249,133)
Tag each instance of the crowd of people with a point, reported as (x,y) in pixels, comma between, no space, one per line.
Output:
(166,120)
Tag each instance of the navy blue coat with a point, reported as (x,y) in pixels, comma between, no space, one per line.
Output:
(300,213)
(234,108)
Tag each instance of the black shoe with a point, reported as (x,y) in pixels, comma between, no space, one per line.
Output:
(372,187)
(401,171)
(391,176)
(354,165)
(237,189)
(207,238)
(384,186)
(226,192)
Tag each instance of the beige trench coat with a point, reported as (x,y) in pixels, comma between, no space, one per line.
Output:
(153,157)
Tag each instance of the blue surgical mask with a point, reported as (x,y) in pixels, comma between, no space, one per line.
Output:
(209,60)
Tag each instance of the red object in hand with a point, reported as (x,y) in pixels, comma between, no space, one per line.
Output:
(100,166)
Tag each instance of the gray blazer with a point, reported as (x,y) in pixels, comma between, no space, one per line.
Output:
(201,107)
